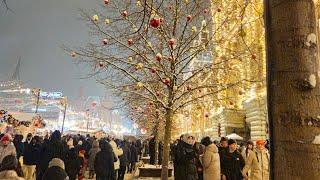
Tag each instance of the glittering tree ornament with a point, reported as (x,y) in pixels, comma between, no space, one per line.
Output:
(101,64)
(107,21)
(138,3)
(253,56)
(206,11)
(218,10)
(106,2)
(130,59)
(158,57)
(139,85)
(158,94)
(139,66)
(166,81)
(105,41)
(194,29)
(95,18)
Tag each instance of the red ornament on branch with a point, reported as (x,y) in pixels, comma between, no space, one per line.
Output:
(206,114)
(105,41)
(130,42)
(253,56)
(206,11)
(106,2)
(218,10)
(172,42)
(153,70)
(189,17)
(158,94)
(155,22)
(124,13)
(166,81)
(158,57)
(101,64)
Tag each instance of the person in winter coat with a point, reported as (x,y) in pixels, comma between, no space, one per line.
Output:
(55,170)
(10,169)
(72,164)
(133,157)
(104,162)
(233,162)
(258,162)
(152,150)
(54,148)
(84,164)
(29,157)
(199,149)
(185,159)
(6,148)
(124,160)
(210,160)
(117,152)
(18,144)
(245,152)
(92,155)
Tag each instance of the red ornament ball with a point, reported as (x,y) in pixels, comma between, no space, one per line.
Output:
(125,13)
(130,42)
(206,11)
(189,17)
(101,64)
(106,2)
(253,56)
(172,42)
(105,41)
(218,10)
(153,70)
(155,22)
(158,57)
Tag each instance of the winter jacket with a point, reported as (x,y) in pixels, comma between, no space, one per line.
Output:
(124,158)
(152,150)
(30,154)
(72,164)
(55,173)
(258,162)
(211,163)
(133,154)
(92,154)
(185,162)
(6,150)
(104,162)
(233,164)
(10,175)
(117,152)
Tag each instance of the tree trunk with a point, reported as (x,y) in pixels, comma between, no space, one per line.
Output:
(156,140)
(166,145)
(293,90)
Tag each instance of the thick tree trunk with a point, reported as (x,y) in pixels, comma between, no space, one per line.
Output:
(166,145)
(293,89)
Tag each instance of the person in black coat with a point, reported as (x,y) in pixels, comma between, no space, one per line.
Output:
(73,164)
(233,162)
(133,157)
(52,149)
(18,144)
(104,162)
(185,159)
(152,150)
(55,170)
(124,160)
(30,153)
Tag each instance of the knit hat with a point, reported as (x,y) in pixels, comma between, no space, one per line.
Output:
(260,142)
(231,141)
(6,137)
(56,162)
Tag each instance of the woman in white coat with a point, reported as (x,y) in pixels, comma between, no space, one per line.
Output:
(117,152)
(210,160)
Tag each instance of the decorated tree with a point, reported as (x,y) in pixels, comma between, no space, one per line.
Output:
(158,51)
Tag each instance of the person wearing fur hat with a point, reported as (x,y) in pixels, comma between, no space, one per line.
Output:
(258,162)
(232,163)
(6,147)
(210,160)
(185,159)
(10,169)
(55,170)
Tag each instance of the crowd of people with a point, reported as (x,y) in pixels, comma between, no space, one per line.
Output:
(66,157)
(208,160)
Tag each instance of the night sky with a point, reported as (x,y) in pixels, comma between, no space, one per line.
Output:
(36,31)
